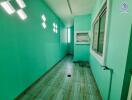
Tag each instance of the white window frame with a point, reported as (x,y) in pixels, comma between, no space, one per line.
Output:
(102,58)
(75,34)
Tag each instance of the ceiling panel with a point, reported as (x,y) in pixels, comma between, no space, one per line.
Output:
(78,7)
(81,7)
(61,8)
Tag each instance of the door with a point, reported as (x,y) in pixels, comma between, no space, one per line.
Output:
(130,90)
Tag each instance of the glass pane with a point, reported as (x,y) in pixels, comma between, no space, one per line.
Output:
(82,37)
(69,35)
(95,36)
(101,33)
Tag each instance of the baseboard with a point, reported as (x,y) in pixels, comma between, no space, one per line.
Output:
(34,83)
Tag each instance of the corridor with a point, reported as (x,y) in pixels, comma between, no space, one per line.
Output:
(65,49)
(57,85)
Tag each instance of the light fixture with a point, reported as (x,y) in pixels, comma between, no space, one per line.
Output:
(69,35)
(22,14)
(21,3)
(54,30)
(7,7)
(54,25)
(44,25)
(43,18)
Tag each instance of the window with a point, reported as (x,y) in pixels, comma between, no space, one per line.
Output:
(69,35)
(82,38)
(95,36)
(99,31)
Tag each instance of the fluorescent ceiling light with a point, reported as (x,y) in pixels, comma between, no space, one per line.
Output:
(44,25)
(22,14)
(54,30)
(21,3)
(69,35)
(43,18)
(54,24)
(7,7)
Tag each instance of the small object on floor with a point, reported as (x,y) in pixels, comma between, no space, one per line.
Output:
(68,75)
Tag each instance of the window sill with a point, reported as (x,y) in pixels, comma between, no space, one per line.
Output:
(99,58)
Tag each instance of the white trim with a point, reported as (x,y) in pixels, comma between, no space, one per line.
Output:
(102,59)
(97,56)
(76,43)
(130,90)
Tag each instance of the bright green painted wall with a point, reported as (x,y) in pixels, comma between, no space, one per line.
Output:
(117,43)
(101,76)
(81,52)
(82,23)
(117,33)
(27,51)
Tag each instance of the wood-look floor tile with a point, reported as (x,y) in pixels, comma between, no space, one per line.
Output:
(56,85)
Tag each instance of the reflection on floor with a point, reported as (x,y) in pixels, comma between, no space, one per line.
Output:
(66,81)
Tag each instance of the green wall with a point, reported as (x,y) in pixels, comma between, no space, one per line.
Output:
(27,51)
(119,28)
(82,23)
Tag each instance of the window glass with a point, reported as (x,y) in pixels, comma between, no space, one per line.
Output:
(95,35)
(101,33)
(69,35)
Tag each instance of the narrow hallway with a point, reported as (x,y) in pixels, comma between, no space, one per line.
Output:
(56,85)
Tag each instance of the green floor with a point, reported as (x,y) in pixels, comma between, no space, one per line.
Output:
(57,86)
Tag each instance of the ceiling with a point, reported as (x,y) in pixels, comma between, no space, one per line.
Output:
(67,9)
